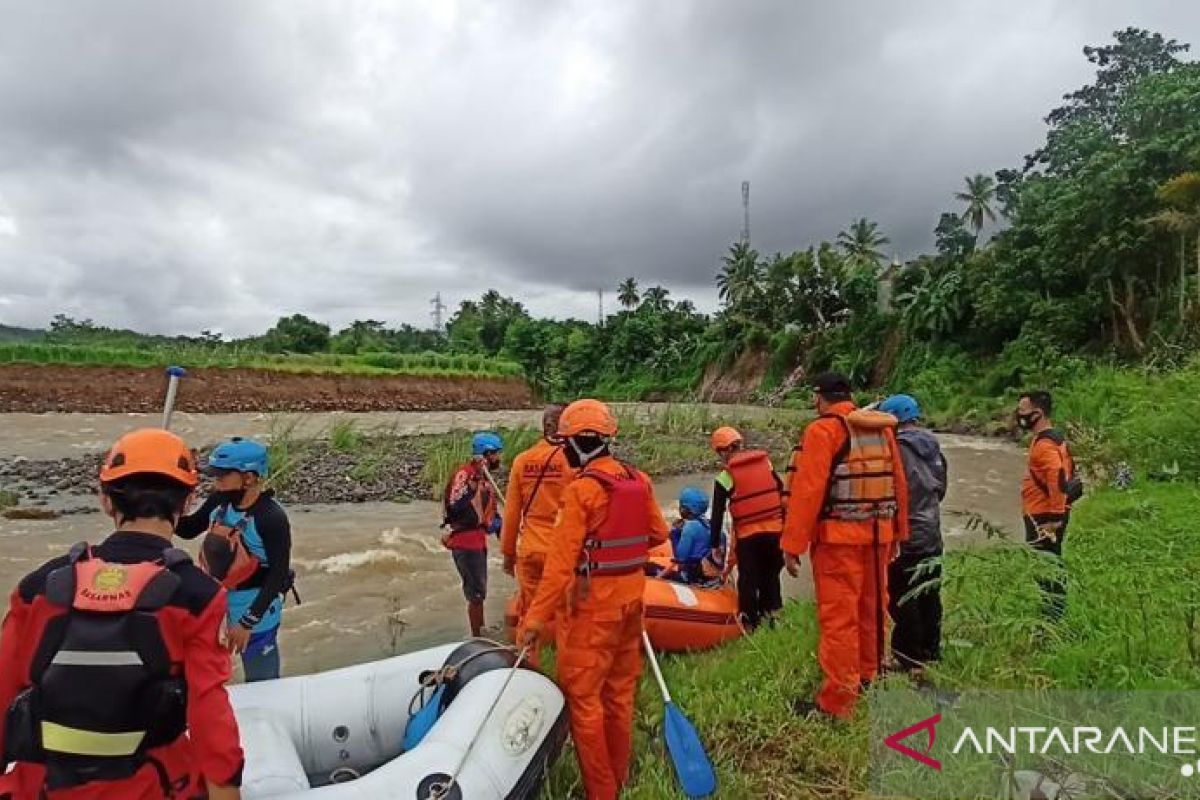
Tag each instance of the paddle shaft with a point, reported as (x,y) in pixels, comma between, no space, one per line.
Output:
(173,376)
(495,487)
(662,684)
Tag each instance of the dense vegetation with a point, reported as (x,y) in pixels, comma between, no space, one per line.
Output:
(1088,251)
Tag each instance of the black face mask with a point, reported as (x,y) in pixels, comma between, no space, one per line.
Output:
(231,498)
(572,457)
(1027,421)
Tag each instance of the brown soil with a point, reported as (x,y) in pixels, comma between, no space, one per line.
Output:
(737,383)
(40,389)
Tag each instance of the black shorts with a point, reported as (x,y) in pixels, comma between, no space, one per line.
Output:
(472,568)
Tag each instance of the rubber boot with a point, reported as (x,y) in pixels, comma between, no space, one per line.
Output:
(475,617)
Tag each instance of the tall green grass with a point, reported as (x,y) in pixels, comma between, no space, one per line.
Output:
(416,364)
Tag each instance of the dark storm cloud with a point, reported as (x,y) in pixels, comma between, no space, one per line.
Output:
(188,165)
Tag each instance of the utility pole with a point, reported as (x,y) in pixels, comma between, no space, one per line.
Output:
(439,308)
(746,213)
(600,302)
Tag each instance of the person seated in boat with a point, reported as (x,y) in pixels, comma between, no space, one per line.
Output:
(469,503)
(113,659)
(691,541)
(248,548)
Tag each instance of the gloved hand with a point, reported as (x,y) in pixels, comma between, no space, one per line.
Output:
(494,527)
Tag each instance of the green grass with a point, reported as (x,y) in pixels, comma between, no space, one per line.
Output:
(1134,575)
(8,498)
(414,364)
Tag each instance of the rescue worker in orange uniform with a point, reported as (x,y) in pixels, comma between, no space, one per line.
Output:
(848,509)
(1048,488)
(535,487)
(114,658)
(753,494)
(593,583)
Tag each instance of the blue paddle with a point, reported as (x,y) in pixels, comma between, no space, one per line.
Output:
(692,767)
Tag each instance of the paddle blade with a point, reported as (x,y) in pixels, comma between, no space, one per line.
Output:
(423,721)
(696,776)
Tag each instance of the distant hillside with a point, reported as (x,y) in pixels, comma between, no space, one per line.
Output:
(10,334)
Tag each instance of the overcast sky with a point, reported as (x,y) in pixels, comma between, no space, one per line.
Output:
(173,166)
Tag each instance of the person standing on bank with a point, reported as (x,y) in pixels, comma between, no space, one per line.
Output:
(1048,489)
(917,631)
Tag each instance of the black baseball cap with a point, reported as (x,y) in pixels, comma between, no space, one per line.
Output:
(831,384)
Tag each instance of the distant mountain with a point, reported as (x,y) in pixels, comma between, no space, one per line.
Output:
(9,333)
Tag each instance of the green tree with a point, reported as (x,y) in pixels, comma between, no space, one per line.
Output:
(738,282)
(1181,195)
(981,191)
(862,242)
(656,298)
(297,334)
(628,295)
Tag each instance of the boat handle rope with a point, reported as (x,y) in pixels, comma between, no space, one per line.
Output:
(434,678)
(440,791)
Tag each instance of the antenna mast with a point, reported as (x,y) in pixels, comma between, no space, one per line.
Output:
(439,308)
(746,213)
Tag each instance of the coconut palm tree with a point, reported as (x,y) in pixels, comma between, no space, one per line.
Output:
(981,191)
(627,293)
(862,242)
(739,279)
(656,298)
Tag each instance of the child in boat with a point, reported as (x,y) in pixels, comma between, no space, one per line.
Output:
(691,540)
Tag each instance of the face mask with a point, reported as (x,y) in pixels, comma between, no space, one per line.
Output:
(1027,421)
(577,457)
(232,497)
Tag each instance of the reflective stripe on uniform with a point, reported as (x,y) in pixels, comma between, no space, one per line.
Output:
(84,658)
(75,741)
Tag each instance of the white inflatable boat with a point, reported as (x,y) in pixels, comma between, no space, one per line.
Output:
(339,735)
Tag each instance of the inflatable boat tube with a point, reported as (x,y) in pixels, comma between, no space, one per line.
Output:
(338,735)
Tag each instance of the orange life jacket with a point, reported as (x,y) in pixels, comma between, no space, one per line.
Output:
(756,495)
(621,544)
(103,688)
(862,484)
(225,556)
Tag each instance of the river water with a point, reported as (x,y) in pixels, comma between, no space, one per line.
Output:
(373,577)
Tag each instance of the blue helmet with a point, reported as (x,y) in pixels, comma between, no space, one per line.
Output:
(693,500)
(486,442)
(901,406)
(239,455)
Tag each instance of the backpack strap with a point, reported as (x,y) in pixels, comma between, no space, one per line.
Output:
(538,484)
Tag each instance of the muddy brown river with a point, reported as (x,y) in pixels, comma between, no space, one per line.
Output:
(373,577)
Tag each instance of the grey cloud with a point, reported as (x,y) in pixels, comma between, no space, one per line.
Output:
(188,165)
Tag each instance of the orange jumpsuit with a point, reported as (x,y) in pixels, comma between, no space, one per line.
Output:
(599,634)
(849,562)
(535,488)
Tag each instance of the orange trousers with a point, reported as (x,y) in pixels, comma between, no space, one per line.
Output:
(529,575)
(599,662)
(851,589)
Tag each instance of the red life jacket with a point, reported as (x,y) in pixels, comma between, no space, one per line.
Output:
(621,544)
(225,556)
(103,688)
(756,494)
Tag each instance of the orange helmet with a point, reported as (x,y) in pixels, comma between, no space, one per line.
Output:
(150,451)
(725,437)
(587,416)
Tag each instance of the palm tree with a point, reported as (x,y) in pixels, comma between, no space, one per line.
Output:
(656,298)
(981,191)
(862,242)
(627,293)
(738,281)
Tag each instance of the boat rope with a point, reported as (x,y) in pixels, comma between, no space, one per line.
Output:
(440,791)
(432,679)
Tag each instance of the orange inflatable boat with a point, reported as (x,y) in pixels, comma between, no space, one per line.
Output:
(679,616)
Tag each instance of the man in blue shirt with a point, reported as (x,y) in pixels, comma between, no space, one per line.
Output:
(247,547)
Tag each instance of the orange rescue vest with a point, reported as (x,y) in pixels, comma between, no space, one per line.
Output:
(756,495)
(862,484)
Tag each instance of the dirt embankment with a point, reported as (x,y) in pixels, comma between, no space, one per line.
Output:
(738,383)
(40,389)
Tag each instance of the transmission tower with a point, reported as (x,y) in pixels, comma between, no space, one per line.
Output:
(746,213)
(439,308)
(600,310)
